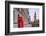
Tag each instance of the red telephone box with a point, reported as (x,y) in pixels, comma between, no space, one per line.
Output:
(20,22)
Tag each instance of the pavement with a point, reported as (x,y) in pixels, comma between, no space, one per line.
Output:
(26,25)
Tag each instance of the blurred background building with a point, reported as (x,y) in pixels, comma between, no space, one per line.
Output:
(36,21)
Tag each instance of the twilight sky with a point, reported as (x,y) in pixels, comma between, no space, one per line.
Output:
(32,11)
